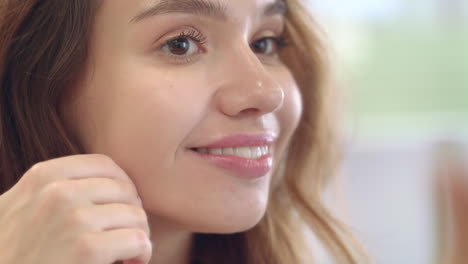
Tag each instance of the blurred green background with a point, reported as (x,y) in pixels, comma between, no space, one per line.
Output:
(415,70)
(403,69)
(403,64)
(411,77)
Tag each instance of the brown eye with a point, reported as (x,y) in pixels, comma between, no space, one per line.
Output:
(266,46)
(185,47)
(179,46)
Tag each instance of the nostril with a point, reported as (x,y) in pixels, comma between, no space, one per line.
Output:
(249,110)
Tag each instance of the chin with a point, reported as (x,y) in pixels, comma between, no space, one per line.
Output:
(228,225)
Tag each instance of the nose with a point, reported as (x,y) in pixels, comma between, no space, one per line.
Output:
(246,85)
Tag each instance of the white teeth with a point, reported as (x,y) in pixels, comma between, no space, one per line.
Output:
(228,151)
(258,151)
(264,150)
(215,151)
(203,150)
(245,152)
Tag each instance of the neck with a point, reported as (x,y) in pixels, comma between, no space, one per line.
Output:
(171,244)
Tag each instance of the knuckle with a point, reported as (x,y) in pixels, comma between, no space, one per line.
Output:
(109,166)
(81,217)
(36,167)
(105,160)
(126,187)
(59,192)
(138,212)
(141,219)
(85,248)
(141,238)
(35,173)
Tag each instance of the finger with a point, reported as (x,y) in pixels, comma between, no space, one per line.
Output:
(105,190)
(62,197)
(115,245)
(73,167)
(133,261)
(105,217)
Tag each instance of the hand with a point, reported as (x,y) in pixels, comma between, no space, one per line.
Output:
(76,209)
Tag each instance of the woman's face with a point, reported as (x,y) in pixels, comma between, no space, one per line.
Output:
(165,77)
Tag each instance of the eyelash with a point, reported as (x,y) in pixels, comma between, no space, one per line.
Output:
(191,34)
(280,42)
(194,35)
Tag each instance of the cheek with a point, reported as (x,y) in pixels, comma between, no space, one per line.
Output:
(149,123)
(143,122)
(291,112)
(139,118)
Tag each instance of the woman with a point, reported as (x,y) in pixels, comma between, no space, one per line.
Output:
(168,131)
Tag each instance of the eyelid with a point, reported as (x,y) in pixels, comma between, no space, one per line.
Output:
(269,32)
(176,32)
(276,26)
(190,33)
(275,34)
(279,38)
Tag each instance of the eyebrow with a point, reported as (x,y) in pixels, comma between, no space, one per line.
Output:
(213,9)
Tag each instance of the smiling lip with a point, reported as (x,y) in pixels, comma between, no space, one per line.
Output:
(243,140)
(242,167)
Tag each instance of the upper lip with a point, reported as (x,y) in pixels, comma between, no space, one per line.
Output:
(242,140)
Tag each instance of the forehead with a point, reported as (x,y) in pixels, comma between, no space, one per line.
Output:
(128,10)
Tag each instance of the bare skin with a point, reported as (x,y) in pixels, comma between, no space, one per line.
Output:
(143,103)
(77,209)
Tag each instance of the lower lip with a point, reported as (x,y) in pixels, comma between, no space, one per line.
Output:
(242,167)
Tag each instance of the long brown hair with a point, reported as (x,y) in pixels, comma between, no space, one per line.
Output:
(43,49)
